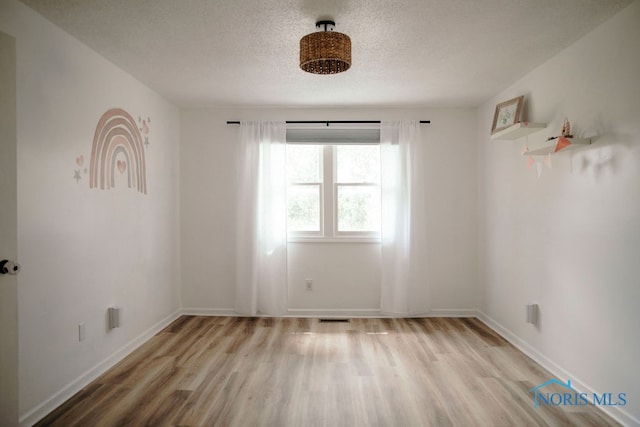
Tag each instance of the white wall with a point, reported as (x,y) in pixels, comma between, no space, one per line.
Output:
(84,249)
(569,240)
(208,208)
(346,278)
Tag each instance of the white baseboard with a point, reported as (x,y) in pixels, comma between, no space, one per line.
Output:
(36,414)
(559,372)
(436,312)
(340,312)
(452,312)
(333,313)
(292,312)
(208,312)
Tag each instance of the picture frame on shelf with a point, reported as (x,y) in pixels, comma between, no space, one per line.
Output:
(507,114)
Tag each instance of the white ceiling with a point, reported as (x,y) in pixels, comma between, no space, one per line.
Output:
(405,53)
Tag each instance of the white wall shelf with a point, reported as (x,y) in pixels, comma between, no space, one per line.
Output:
(518,130)
(551,146)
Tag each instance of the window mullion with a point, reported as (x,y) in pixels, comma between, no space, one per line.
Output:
(328,190)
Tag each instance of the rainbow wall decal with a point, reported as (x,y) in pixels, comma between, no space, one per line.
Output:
(117,137)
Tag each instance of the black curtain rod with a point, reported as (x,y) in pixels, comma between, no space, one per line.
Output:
(328,122)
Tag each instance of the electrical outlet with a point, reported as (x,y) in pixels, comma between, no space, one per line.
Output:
(81,332)
(532,313)
(309,283)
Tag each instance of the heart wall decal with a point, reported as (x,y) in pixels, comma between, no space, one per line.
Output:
(80,160)
(122,166)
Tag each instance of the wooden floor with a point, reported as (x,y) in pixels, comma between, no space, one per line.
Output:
(227,371)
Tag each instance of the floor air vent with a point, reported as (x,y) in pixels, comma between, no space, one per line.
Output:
(334,320)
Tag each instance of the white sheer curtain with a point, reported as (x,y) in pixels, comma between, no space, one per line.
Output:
(261,255)
(403,286)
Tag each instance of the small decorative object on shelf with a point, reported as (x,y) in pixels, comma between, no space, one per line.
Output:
(566,129)
(563,141)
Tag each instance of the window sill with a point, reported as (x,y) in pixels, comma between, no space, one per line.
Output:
(333,240)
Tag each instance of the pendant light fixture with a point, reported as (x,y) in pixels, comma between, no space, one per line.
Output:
(325,51)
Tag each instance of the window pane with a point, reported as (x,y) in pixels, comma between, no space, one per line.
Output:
(358,208)
(358,163)
(303,208)
(303,163)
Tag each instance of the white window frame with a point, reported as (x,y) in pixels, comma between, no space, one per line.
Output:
(328,206)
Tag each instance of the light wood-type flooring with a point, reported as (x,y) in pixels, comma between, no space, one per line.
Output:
(232,371)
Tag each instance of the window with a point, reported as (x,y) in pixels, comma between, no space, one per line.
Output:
(357,188)
(334,191)
(304,194)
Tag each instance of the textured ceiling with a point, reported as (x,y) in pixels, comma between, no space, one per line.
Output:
(405,53)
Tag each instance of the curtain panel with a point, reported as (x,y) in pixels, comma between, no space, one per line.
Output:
(261,251)
(403,288)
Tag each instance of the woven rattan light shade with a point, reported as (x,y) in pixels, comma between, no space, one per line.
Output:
(325,52)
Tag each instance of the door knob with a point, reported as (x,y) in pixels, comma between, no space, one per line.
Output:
(9,267)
